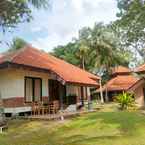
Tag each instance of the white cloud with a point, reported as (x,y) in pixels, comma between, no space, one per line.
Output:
(59,24)
(68,16)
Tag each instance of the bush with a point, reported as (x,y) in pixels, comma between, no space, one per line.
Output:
(125,100)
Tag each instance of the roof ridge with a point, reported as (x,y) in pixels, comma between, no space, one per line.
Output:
(138,80)
(10,55)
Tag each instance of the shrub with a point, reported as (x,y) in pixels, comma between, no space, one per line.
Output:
(125,100)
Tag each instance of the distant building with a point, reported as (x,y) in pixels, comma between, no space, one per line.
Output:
(123,79)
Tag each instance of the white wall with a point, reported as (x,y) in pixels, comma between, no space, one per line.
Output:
(138,92)
(12,82)
(72,90)
(76,90)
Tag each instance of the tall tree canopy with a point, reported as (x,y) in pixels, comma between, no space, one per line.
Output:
(13,12)
(132,23)
(97,49)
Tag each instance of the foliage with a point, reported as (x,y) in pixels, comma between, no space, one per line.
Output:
(67,52)
(83,45)
(125,100)
(132,23)
(97,50)
(17,43)
(13,12)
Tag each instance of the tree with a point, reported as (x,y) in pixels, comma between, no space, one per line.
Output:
(67,53)
(132,22)
(96,49)
(13,12)
(17,43)
(107,49)
(83,45)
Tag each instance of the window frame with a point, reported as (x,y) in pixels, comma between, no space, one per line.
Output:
(33,88)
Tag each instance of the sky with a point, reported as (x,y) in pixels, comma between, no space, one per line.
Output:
(61,22)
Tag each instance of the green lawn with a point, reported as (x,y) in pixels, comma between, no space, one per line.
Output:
(100,128)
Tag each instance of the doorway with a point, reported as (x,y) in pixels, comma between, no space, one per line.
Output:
(57,91)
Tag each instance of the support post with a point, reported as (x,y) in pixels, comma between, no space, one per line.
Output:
(82,95)
(2,119)
(89,98)
(61,97)
(101,93)
(106,95)
(61,102)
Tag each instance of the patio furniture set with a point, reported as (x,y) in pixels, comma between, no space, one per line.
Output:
(39,108)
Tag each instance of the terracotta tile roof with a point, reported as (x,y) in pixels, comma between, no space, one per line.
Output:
(140,69)
(120,83)
(120,70)
(30,56)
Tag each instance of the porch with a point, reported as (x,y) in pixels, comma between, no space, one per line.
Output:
(61,98)
(59,115)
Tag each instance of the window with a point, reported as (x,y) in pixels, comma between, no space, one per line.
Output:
(33,89)
(28,90)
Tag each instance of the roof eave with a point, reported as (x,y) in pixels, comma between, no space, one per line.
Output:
(9,64)
(82,84)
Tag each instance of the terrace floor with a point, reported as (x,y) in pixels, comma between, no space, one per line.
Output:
(58,116)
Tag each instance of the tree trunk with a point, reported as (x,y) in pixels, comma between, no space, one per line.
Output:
(89,98)
(101,93)
(106,95)
(82,88)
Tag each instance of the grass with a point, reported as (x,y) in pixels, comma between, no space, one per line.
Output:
(100,128)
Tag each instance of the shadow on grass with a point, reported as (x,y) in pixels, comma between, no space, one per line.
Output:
(86,129)
(126,122)
(83,139)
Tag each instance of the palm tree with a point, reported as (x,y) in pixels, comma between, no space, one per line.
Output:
(82,54)
(83,45)
(104,49)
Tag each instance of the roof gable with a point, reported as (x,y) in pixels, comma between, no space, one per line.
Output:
(119,83)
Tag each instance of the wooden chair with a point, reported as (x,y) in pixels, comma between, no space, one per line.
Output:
(54,107)
(35,109)
(44,109)
(40,108)
(51,109)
